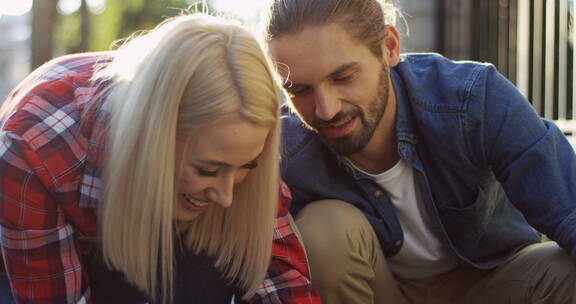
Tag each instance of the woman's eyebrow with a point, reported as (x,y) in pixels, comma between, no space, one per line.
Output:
(215,163)
(223,164)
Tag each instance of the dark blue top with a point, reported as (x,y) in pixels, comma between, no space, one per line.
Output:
(196,281)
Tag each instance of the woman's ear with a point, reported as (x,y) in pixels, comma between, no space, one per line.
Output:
(391,46)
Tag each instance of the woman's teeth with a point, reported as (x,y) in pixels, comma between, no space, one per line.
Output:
(193,201)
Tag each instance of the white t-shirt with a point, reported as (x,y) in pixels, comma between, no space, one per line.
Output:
(422,255)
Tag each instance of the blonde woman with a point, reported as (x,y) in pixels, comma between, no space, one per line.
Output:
(150,174)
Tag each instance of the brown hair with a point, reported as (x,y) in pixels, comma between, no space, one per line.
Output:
(364,19)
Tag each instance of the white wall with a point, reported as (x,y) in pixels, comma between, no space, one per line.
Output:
(420,17)
(14,51)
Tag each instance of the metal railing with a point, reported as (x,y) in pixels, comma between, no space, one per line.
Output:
(545,66)
(531,42)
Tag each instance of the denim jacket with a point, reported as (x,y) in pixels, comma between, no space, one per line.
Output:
(491,172)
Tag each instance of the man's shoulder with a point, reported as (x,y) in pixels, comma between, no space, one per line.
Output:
(296,136)
(434,69)
(435,61)
(438,83)
(302,149)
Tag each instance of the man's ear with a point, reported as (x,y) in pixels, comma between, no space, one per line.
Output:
(391,46)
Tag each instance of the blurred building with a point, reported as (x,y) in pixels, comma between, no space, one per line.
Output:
(529,41)
(418,25)
(14,51)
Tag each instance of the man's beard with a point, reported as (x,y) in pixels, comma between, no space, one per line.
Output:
(357,140)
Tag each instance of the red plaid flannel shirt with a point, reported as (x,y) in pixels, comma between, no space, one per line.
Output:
(49,190)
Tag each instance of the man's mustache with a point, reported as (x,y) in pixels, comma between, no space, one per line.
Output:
(338,117)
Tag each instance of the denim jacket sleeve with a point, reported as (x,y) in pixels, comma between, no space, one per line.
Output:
(528,155)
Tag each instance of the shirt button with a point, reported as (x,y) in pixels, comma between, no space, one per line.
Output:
(398,243)
(378,193)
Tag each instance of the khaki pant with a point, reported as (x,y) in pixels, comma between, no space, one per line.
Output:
(348,266)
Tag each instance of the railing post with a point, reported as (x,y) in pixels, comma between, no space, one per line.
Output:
(537,55)
(523,49)
(563,59)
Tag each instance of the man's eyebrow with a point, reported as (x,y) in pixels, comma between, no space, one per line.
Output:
(345,67)
(291,85)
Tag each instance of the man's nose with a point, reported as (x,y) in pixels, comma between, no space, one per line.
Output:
(326,103)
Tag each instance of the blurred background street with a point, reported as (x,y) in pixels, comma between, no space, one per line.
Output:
(529,41)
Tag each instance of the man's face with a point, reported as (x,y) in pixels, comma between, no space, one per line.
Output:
(338,86)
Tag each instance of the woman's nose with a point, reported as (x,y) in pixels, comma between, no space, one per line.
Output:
(223,192)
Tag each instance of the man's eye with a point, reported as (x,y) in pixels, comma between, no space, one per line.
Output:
(207,173)
(342,78)
(296,90)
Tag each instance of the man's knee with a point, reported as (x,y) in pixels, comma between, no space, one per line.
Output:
(337,238)
(333,224)
(560,274)
(551,272)
(346,259)
(337,216)
(551,259)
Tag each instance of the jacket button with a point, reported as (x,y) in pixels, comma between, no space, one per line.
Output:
(398,243)
(378,193)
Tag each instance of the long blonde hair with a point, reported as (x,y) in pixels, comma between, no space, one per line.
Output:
(187,73)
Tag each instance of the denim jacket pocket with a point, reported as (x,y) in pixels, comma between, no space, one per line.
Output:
(466,226)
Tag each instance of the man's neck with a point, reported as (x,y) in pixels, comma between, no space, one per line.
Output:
(381,153)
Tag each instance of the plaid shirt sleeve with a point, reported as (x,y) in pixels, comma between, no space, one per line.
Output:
(288,279)
(38,246)
(41,155)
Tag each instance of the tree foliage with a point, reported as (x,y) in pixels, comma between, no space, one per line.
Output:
(44,16)
(118,20)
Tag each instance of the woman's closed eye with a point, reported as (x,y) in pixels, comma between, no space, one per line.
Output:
(250,165)
(214,172)
(206,172)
